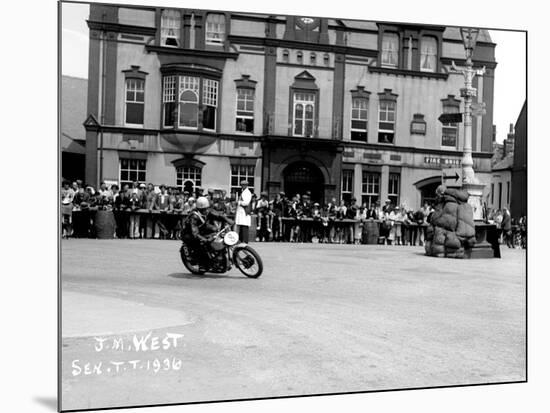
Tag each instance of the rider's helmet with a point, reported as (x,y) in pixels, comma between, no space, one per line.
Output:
(202,202)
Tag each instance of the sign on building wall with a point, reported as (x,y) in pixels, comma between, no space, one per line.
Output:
(442,162)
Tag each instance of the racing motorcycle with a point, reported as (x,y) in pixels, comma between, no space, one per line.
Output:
(225,250)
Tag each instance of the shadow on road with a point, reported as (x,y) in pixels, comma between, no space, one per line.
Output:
(189,276)
(49,402)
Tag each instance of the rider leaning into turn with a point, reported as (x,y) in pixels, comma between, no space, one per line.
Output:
(200,227)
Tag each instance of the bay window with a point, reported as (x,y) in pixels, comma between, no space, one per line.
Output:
(196,104)
(188,101)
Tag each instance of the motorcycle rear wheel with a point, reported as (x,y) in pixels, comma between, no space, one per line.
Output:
(248,261)
(191,267)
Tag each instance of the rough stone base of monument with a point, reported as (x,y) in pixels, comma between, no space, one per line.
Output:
(483,248)
(451,232)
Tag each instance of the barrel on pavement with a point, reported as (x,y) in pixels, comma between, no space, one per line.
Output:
(105,224)
(372,230)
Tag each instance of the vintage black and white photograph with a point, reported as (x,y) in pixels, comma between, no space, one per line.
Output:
(260,206)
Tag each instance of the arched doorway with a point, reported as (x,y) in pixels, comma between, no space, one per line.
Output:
(300,177)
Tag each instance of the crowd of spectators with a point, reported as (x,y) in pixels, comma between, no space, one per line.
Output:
(511,231)
(145,211)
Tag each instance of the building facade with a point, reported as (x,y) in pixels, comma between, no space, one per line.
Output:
(342,108)
(500,193)
(73,134)
(519,168)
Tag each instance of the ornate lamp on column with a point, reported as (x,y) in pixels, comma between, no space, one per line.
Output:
(470,183)
(468,92)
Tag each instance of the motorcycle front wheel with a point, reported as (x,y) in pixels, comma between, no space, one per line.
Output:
(248,261)
(185,258)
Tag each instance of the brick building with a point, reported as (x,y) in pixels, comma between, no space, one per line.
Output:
(342,108)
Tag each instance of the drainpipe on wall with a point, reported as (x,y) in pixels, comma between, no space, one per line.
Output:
(102,117)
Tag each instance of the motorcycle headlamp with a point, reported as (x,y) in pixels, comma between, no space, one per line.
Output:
(231,238)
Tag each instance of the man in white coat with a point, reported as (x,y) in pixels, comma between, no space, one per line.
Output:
(242,215)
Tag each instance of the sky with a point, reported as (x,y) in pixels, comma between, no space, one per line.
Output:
(510,54)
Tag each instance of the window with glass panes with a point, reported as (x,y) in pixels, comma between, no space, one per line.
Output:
(188,101)
(393,188)
(347,184)
(245,110)
(370,188)
(169,101)
(359,119)
(135,101)
(170,28)
(304,114)
(240,173)
(210,103)
(428,54)
(390,50)
(188,177)
(193,92)
(215,29)
(386,121)
(449,131)
(132,170)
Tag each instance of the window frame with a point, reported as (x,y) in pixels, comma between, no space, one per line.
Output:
(129,170)
(134,102)
(222,30)
(423,38)
(347,194)
(365,100)
(383,52)
(387,98)
(203,97)
(304,103)
(191,170)
(245,114)
(365,193)
(450,105)
(394,196)
(236,189)
(387,113)
(178,27)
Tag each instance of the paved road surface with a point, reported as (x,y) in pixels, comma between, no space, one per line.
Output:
(321,319)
